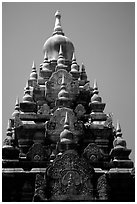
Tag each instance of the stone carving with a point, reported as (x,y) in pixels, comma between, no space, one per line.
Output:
(93,153)
(80,110)
(61,125)
(70,179)
(103,188)
(109,121)
(40,188)
(44,110)
(38,152)
(17,122)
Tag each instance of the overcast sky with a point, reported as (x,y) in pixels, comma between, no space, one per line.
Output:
(103,35)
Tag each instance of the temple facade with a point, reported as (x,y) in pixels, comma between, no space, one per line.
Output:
(60,144)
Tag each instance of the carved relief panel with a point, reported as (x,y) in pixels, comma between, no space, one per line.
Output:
(56,124)
(71,178)
(52,87)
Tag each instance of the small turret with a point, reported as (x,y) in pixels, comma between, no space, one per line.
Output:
(27,98)
(61,60)
(66,136)
(46,71)
(33,75)
(95,98)
(119,141)
(96,101)
(67,140)
(28,104)
(83,76)
(63,95)
(9,152)
(74,68)
(17,108)
(98,117)
(120,152)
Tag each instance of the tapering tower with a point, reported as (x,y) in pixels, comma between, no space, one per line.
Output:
(60,143)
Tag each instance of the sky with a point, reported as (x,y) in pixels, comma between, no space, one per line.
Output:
(103,34)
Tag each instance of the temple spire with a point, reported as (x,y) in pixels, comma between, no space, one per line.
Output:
(58,28)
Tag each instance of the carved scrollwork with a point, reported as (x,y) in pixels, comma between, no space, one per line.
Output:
(93,153)
(103,188)
(80,110)
(40,189)
(38,152)
(71,177)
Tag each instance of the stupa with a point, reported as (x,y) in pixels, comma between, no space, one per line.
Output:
(60,144)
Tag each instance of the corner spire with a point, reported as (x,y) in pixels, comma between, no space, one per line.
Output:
(58,28)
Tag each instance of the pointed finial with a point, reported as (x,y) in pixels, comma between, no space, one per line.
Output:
(46,56)
(66,121)
(73,57)
(60,50)
(60,57)
(63,79)
(46,66)
(95,87)
(33,75)
(58,28)
(33,65)
(27,97)
(118,129)
(27,86)
(17,103)
(74,65)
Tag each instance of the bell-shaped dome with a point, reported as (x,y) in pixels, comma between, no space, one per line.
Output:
(52,45)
